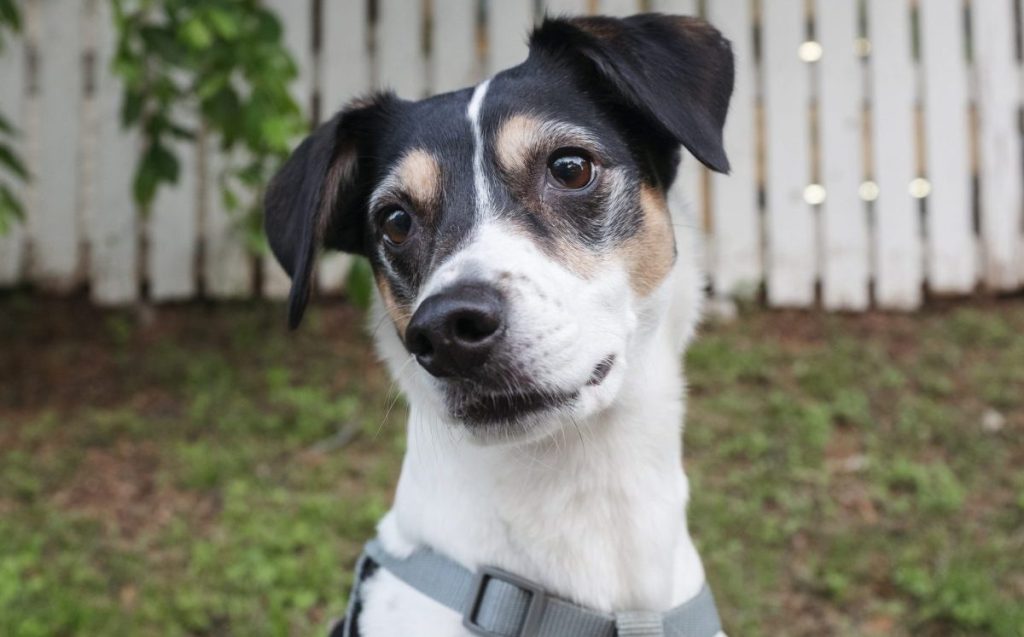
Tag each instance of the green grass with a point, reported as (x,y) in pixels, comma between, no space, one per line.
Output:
(851,475)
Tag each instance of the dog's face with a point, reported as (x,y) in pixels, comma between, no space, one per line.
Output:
(518,230)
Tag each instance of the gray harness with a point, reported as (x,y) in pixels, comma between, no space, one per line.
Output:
(494,603)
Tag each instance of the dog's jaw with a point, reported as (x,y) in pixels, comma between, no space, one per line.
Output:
(596,515)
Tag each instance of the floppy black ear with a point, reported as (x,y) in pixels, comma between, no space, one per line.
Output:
(675,71)
(318,196)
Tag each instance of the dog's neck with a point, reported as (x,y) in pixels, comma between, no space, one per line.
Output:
(595,514)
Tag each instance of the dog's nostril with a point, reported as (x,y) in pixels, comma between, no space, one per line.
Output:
(474,327)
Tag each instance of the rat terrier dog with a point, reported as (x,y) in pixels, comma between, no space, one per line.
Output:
(540,297)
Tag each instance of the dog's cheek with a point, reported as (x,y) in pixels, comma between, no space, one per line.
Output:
(649,254)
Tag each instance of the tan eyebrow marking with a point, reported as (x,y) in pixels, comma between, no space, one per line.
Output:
(521,135)
(418,175)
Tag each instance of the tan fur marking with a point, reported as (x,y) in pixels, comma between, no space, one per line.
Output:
(420,176)
(343,170)
(399,314)
(650,253)
(518,136)
(581,261)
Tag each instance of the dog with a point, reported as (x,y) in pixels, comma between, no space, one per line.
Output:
(537,297)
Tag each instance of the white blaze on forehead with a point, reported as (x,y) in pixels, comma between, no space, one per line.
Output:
(483,194)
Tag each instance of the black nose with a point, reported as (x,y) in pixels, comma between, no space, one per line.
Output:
(454,331)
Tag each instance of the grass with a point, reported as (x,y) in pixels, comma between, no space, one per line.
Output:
(161,475)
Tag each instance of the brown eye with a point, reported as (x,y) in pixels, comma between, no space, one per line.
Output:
(397,226)
(570,170)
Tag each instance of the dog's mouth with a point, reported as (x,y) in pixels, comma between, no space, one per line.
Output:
(484,407)
(508,407)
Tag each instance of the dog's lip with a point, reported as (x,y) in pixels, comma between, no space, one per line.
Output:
(601,371)
(508,407)
(487,407)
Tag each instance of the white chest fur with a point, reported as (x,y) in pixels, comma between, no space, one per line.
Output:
(595,513)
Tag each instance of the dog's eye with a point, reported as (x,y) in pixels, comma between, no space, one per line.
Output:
(397,226)
(570,169)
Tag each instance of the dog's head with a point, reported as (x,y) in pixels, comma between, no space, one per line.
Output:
(518,231)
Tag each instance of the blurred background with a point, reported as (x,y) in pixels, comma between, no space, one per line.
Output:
(173,462)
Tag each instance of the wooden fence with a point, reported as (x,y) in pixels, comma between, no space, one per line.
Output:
(876,145)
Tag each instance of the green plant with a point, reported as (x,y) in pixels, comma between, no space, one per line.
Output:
(216,66)
(10,161)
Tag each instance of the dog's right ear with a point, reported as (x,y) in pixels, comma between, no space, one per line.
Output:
(674,72)
(318,197)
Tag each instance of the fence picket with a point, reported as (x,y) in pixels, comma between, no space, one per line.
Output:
(999,143)
(113,228)
(790,220)
(617,7)
(844,227)
(950,235)
(566,7)
(227,264)
(736,223)
(508,24)
(687,7)
(54,224)
(400,64)
(344,74)
(12,105)
(297,20)
(454,62)
(172,231)
(897,236)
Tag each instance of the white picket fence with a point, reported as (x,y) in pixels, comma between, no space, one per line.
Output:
(875,144)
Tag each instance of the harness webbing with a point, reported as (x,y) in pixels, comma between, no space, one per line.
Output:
(494,603)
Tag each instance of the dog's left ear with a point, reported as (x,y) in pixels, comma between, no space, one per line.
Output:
(676,71)
(318,196)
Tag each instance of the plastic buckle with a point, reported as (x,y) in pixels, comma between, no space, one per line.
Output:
(534,609)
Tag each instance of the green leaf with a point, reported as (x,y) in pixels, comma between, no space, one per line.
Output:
(131,107)
(196,34)
(210,86)
(6,126)
(278,132)
(158,166)
(12,162)
(224,23)
(10,15)
(10,209)
(163,44)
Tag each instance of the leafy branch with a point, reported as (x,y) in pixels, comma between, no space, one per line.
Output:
(215,65)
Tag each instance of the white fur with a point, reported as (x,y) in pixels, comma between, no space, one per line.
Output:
(483,195)
(589,501)
(596,514)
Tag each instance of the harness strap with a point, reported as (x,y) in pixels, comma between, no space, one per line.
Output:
(494,603)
